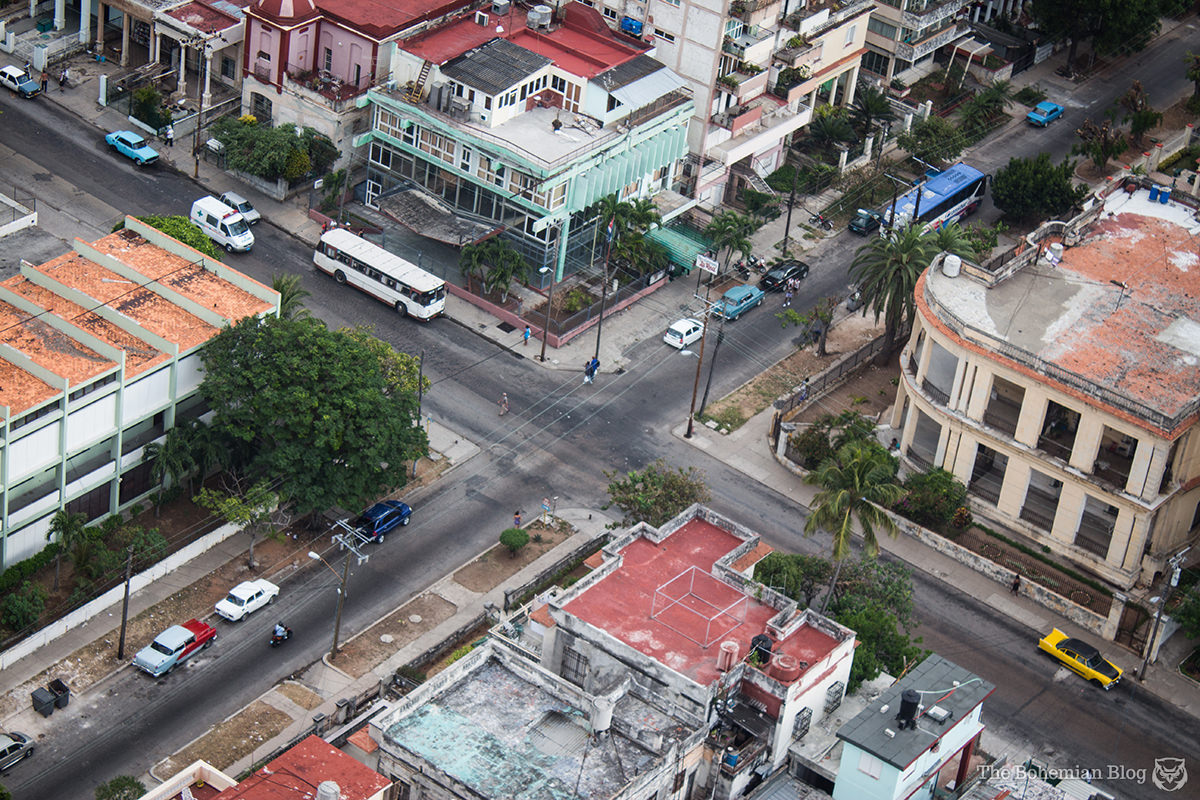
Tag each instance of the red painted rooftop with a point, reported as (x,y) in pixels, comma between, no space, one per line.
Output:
(621,604)
(582,45)
(381,19)
(297,773)
(203,17)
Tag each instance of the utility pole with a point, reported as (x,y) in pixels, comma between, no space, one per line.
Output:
(1174,563)
(125,604)
(712,362)
(549,306)
(604,288)
(420,396)
(699,362)
(348,541)
(787,228)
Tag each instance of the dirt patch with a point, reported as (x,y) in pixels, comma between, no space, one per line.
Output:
(231,740)
(1174,118)
(299,694)
(368,649)
(845,336)
(496,565)
(871,391)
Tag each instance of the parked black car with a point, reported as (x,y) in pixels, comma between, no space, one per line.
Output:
(777,278)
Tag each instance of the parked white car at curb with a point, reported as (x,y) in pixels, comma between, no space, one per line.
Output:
(246,598)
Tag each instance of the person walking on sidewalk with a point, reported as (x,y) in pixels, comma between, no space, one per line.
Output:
(525,336)
(45,80)
(169,135)
(503,402)
(587,372)
(1016,584)
(787,296)
(517,518)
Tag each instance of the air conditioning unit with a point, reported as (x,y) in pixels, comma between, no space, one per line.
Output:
(501,7)
(460,107)
(481,19)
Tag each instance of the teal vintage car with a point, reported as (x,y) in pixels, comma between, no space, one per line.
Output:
(738,301)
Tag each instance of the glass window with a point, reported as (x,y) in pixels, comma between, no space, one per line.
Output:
(876,25)
(666,37)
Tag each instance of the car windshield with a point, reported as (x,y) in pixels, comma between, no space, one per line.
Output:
(234,600)
(237,227)
(243,206)
(136,141)
(159,647)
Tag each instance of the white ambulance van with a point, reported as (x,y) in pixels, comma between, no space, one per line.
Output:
(222,224)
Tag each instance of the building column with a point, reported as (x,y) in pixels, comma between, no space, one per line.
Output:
(206,97)
(60,14)
(851,83)
(1149,465)
(85,22)
(101,14)
(560,262)
(1087,443)
(180,59)
(1032,417)
(125,25)
(964,761)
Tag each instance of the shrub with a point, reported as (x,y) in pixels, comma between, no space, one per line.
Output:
(147,106)
(932,498)
(1029,96)
(122,787)
(514,539)
(21,609)
(577,299)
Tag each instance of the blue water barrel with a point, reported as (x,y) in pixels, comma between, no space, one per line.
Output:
(1164,195)
(1153,192)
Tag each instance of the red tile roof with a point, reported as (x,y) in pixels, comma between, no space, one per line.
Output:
(297,773)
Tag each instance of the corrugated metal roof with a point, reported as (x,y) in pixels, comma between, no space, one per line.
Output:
(625,74)
(494,67)
(648,89)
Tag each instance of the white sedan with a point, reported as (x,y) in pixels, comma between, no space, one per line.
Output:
(247,597)
(683,332)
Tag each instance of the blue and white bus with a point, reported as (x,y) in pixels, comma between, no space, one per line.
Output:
(946,197)
(384,275)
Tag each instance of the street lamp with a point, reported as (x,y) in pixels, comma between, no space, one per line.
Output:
(337,623)
(1173,563)
(549,304)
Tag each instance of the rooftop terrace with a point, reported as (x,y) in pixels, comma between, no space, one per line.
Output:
(664,602)
(504,728)
(1117,319)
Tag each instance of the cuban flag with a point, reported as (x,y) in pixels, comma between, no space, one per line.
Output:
(608,232)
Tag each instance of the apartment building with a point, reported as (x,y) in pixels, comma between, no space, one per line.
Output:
(904,35)
(99,356)
(521,119)
(1063,387)
(757,70)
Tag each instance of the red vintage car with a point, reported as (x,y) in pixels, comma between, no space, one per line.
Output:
(173,646)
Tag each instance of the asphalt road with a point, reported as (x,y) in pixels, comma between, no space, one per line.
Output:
(559,440)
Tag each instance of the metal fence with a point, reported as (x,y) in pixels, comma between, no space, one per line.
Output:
(836,373)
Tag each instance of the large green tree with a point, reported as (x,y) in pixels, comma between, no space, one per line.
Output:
(122,787)
(933,140)
(496,263)
(1110,25)
(1192,71)
(886,270)
(179,228)
(871,108)
(656,493)
(857,482)
(1099,142)
(730,231)
(798,576)
(1035,188)
(310,408)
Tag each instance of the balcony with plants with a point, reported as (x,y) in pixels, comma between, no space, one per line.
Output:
(755,12)
(322,87)
(744,83)
(797,51)
(753,46)
(818,17)
(789,83)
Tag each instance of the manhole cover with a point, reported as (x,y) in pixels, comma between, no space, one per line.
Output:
(415,619)
(386,638)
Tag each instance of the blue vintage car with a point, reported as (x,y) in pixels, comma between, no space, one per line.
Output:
(133,146)
(1044,113)
(738,301)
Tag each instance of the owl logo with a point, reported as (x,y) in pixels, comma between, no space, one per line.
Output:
(1169,773)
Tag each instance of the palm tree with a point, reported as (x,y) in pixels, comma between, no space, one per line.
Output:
(472,260)
(886,270)
(855,482)
(829,130)
(642,215)
(207,450)
(291,296)
(171,461)
(505,265)
(994,99)
(730,231)
(66,528)
(1192,63)
(871,107)
(952,238)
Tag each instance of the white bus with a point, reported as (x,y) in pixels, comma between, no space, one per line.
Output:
(385,276)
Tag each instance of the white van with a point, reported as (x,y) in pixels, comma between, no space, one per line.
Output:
(222,224)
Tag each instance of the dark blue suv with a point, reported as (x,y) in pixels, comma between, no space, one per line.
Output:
(379,519)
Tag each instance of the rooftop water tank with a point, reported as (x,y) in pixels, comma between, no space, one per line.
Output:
(501,6)
(951,266)
(727,656)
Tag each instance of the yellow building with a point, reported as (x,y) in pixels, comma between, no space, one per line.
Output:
(1062,385)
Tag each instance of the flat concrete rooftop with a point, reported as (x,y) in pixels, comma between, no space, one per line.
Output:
(506,733)
(656,603)
(1121,310)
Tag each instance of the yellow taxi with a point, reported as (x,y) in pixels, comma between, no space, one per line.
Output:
(1080,657)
